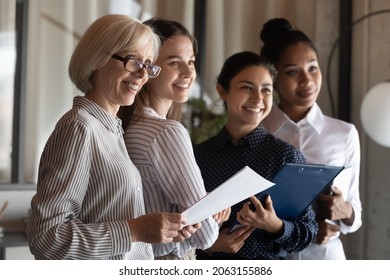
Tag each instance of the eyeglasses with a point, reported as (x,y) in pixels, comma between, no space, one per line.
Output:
(134,65)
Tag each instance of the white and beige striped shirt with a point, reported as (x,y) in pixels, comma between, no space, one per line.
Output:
(162,151)
(87,189)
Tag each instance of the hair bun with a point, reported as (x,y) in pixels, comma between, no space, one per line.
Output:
(274,27)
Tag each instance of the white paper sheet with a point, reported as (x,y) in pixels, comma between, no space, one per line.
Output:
(343,181)
(240,186)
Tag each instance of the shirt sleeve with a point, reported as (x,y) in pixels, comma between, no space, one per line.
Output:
(299,233)
(55,230)
(352,160)
(179,176)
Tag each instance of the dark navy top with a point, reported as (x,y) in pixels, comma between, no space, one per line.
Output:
(219,159)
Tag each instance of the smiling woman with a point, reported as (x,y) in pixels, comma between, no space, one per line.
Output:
(298,120)
(245,85)
(89,200)
(160,146)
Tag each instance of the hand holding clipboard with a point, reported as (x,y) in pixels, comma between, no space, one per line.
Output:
(297,186)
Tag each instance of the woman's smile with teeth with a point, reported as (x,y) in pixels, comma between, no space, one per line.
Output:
(253,109)
(182,85)
(131,86)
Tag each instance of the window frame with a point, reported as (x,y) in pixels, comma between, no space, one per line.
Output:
(17,180)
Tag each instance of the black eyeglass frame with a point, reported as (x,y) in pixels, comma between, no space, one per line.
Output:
(151,69)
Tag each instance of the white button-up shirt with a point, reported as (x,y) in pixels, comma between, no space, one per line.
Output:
(324,140)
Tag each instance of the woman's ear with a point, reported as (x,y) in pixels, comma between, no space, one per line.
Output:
(222,93)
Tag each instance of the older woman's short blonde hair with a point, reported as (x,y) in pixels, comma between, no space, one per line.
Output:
(108,35)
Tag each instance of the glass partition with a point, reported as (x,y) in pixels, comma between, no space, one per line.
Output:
(13,48)
(7,80)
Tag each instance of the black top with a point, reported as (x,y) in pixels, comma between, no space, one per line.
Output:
(219,159)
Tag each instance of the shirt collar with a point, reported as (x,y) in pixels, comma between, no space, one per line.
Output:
(277,119)
(113,124)
(152,113)
(253,139)
(315,118)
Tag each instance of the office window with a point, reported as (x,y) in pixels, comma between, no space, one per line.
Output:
(13,23)
(7,78)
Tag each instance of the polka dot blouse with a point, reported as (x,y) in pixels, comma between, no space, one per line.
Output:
(219,159)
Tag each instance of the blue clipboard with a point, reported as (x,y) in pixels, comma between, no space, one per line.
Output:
(297,186)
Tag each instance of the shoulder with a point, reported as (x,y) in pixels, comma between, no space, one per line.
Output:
(278,147)
(160,132)
(209,151)
(77,119)
(339,128)
(209,144)
(337,123)
(159,125)
(287,147)
(272,141)
(73,128)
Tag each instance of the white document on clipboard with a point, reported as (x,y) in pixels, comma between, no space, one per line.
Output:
(240,186)
(343,181)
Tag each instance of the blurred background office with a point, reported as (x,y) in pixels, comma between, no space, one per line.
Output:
(37,38)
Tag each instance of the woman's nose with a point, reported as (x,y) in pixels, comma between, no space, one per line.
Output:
(306,80)
(258,95)
(141,73)
(187,71)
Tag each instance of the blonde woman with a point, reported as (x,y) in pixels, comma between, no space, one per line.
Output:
(89,201)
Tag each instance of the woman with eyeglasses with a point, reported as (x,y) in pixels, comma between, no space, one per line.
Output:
(89,201)
(160,146)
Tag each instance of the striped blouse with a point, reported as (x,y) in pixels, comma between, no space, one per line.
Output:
(87,190)
(162,151)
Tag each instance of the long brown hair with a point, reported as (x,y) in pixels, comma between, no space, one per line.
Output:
(165,29)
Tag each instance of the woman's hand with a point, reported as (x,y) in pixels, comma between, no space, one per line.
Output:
(231,243)
(187,232)
(334,207)
(222,216)
(156,227)
(326,231)
(263,217)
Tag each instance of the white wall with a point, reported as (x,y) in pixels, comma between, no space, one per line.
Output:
(371,65)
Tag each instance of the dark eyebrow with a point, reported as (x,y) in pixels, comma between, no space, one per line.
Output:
(177,57)
(289,65)
(267,85)
(245,82)
(250,83)
(292,64)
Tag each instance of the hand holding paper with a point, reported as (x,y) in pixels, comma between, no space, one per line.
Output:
(240,186)
(222,216)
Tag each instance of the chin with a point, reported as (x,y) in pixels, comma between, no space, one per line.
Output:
(181,100)
(128,101)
